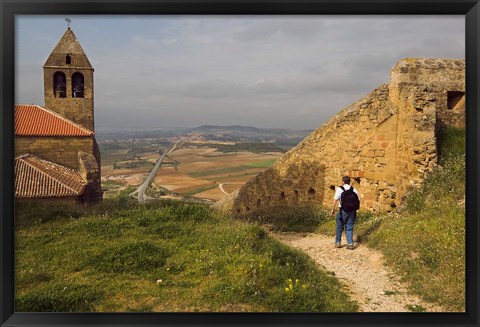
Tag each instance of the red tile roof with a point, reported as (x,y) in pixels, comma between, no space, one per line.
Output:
(33,120)
(35,177)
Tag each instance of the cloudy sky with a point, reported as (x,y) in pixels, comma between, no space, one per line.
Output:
(263,71)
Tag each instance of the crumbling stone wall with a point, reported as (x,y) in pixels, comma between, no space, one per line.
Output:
(386,142)
(90,170)
(421,91)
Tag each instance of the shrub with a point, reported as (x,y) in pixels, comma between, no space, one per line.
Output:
(450,143)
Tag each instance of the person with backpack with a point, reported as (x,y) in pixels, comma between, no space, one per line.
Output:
(349,203)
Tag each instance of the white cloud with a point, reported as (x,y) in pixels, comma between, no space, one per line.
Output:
(263,71)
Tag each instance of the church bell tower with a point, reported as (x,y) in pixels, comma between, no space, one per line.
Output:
(68,81)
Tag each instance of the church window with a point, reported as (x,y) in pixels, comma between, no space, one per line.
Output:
(69,60)
(77,85)
(59,85)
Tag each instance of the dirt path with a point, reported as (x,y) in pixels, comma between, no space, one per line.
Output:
(223,190)
(372,284)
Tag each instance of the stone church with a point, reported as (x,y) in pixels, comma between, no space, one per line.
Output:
(56,154)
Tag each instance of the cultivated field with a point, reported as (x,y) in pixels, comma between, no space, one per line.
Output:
(194,170)
(200,171)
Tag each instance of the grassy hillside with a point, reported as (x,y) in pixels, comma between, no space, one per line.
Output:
(424,241)
(165,256)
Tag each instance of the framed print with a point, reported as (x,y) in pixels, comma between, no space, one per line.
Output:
(231,163)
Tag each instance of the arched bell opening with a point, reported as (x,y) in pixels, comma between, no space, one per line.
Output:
(59,85)
(78,85)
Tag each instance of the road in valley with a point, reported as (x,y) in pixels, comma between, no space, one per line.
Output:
(140,191)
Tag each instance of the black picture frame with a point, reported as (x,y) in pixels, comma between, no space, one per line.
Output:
(10,8)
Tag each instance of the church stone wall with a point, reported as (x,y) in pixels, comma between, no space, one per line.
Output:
(61,150)
(78,153)
(386,142)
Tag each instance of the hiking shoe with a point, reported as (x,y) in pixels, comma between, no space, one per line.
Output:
(338,245)
(350,247)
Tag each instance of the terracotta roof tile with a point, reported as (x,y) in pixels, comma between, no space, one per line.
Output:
(35,177)
(33,120)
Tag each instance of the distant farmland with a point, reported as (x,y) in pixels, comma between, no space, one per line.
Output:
(203,165)
(192,170)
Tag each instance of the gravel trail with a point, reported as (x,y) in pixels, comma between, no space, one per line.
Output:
(372,284)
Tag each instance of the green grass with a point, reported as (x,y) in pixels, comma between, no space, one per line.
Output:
(263,164)
(201,189)
(164,256)
(219,171)
(254,147)
(415,308)
(450,143)
(134,164)
(304,217)
(111,183)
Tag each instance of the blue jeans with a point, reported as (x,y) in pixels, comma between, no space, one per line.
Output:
(347,220)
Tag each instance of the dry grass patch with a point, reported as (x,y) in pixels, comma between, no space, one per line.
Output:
(230,188)
(213,194)
(172,179)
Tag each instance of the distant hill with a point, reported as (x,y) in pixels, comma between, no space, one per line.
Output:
(287,137)
(234,133)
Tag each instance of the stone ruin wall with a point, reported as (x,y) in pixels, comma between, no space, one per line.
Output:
(386,142)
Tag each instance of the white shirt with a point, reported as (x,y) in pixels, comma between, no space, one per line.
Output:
(339,191)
